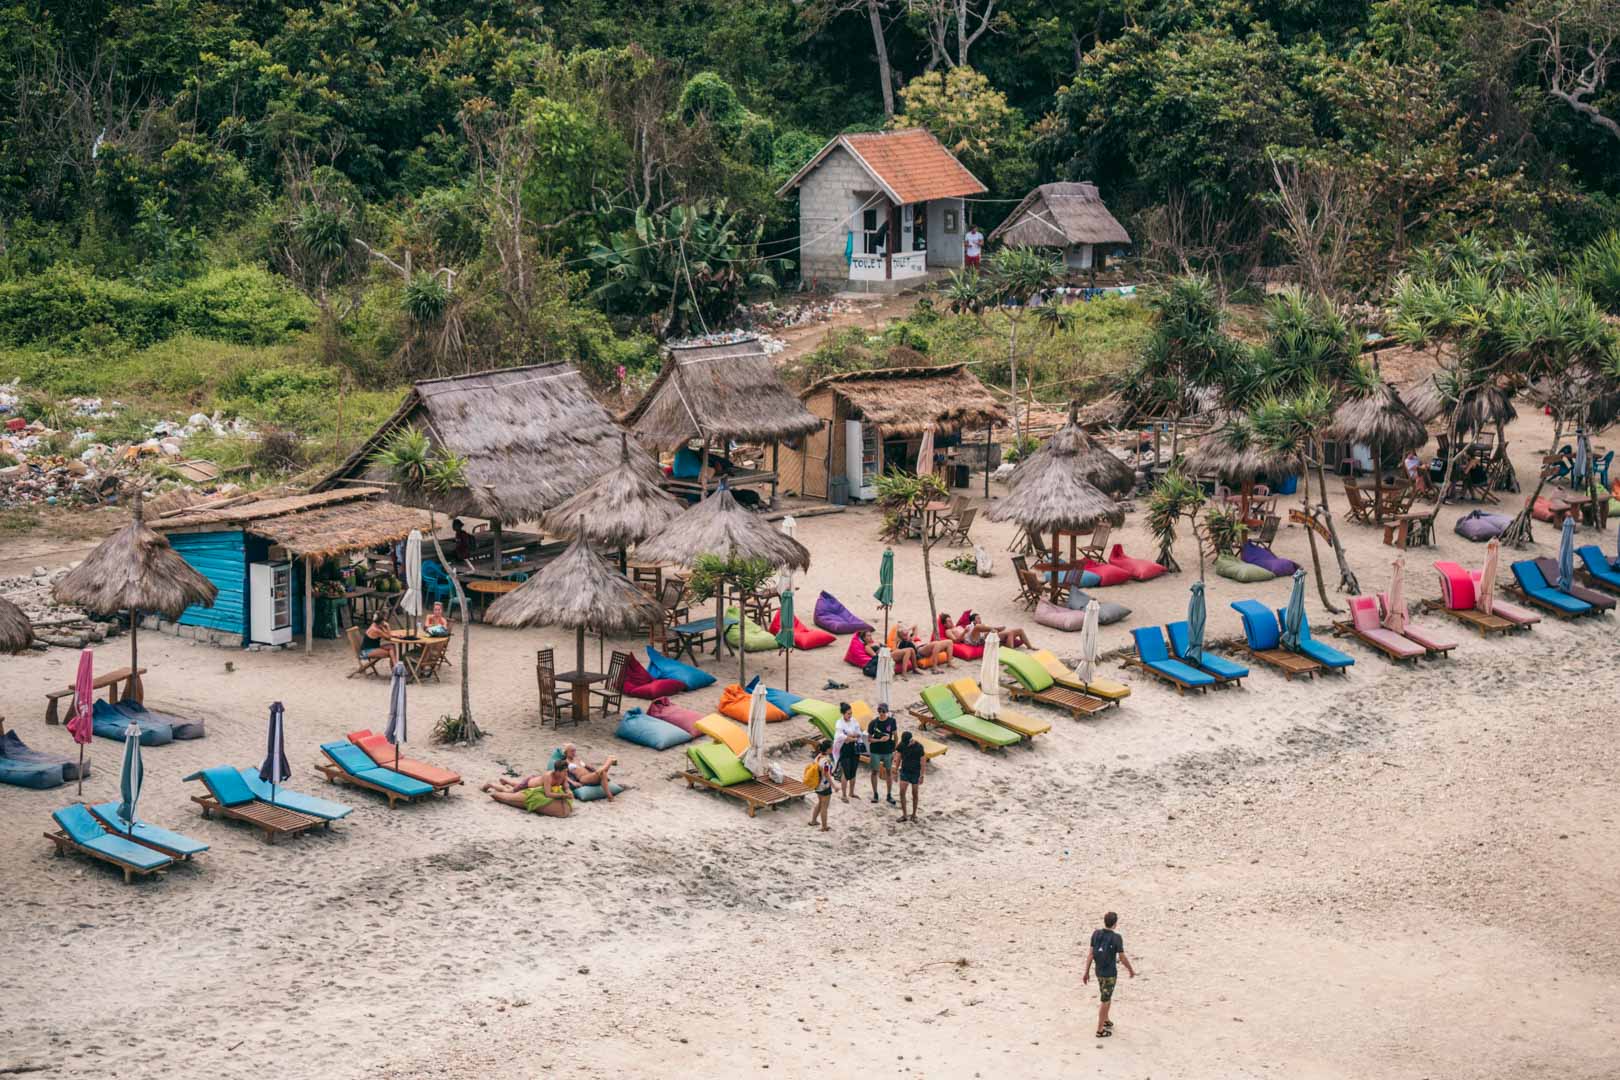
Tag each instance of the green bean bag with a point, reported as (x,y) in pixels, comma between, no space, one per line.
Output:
(755,638)
(1235,569)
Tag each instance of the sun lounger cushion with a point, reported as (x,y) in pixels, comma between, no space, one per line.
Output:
(1107,574)
(1108,612)
(288,799)
(358,764)
(835,618)
(1151,650)
(1259,625)
(38,775)
(723,763)
(823,714)
(649,731)
(660,667)
(83,829)
(386,755)
(698,763)
(1456,586)
(804,637)
(1598,565)
(857,655)
(108,723)
(735,702)
(1481,525)
(1180,635)
(639,683)
(671,713)
(1026,669)
(967,692)
(1326,655)
(1235,569)
(1139,569)
(944,707)
(180,729)
(754,637)
(1535,585)
(171,842)
(1255,555)
(724,730)
(1549,570)
(1364,617)
(226,785)
(782,699)
(1058,618)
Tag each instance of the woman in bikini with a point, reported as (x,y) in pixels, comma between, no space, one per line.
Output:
(937,653)
(904,659)
(582,775)
(545,793)
(376,640)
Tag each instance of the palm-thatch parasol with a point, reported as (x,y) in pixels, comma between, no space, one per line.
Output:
(621,507)
(16,632)
(719,526)
(1381,420)
(1232,455)
(135,568)
(581,591)
(1096,463)
(1440,395)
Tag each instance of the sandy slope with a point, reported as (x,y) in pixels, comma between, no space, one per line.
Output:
(1396,874)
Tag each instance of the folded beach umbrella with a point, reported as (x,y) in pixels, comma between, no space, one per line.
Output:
(1487,577)
(989,704)
(1583,462)
(395,731)
(1088,641)
(130,777)
(925,453)
(1566,555)
(753,758)
(275,769)
(1395,616)
(784,637)
(81,725)
(784,580)
(885,589)
(885,675)
(1197,615)
(411,602)
(1294,616)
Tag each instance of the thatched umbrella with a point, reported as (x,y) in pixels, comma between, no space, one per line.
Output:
(623,506)
(1381,420)
(16,632)
(1438,396)
(135,568)
(1096,463)
(719,526)
(1232,455)
(578,590)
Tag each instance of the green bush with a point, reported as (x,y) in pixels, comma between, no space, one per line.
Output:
(243,305)
(65,305)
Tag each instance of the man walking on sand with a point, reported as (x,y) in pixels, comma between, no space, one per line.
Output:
(880,735)
(1107,948)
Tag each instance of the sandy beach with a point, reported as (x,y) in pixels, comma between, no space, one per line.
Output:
(1396,874)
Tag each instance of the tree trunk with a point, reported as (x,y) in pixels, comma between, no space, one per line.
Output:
(1310,534)
(1518,533)
(1012,363)
(1347,576)
(928,580)
(874,11)
(469,727)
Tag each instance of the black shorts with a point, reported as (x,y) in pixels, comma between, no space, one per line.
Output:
(911,776)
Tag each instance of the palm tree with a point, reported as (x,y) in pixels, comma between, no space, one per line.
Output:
(1015,277)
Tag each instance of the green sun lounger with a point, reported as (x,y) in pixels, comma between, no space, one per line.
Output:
(946,712)
(80,831)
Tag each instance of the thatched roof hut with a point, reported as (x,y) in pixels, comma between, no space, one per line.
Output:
(530,437)
(623,506)
(1232,455)
(1082,455)
(1435,397)
(1379,419)
(16,631)
(134,568)
(1054,491)
(1061,215)
(720,526)
(580,591)
(722,391)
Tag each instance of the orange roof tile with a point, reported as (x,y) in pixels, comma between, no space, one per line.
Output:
(911,165)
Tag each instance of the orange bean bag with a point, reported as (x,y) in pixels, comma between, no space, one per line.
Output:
(894,635)
(734,702)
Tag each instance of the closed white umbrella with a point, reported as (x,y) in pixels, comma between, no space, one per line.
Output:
(885,676)
(411,602)
(1088,643)
(784,579)
(753,758)
(925,454)
(989,703)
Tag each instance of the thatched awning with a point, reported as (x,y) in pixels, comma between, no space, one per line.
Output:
(318,525)
(1081,454)
(16,632)
(720,526)
(1060,215)
(907,401)
(1436,397)
(1231,455)
(135,568)
(729,391)
(530,436)
(577,590)
(623,506)
(1379,419)
(1053,492)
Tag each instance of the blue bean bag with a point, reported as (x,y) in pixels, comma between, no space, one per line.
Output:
(12,746)
(649,731)
(660,666)
(1255,555)
(593,792)
(108,723)
(144,718)
(780,698)
(30,774)
(835,618)
(1481,525)
(1084,579)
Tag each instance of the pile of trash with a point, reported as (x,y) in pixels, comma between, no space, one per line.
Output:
(54,624)
(770,315)
(771,345)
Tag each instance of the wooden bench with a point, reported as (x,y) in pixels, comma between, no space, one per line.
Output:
(131,691)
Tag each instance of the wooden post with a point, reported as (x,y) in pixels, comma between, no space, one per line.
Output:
(495,527)
(309,604)
(703,471)
(894,239)
(776,450)
(1378,483)
(988,432)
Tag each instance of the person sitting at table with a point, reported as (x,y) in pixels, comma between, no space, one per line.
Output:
(435,623)
(377,640)
(582,775)
(545,793)
(464,540)
(937,653)
(1416,473)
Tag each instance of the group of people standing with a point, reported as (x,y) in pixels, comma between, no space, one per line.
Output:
(837,763)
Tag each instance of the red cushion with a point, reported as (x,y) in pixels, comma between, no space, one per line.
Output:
(637,683)
(1107,573)
(1139,569)
(804,637)
(857,653)
(963,651)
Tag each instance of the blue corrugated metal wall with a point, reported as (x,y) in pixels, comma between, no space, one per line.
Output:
(221,557)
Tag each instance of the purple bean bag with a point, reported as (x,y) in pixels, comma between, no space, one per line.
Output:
(1266,560)
(835,618)
(1482,525)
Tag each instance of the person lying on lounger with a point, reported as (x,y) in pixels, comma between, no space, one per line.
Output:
(581,774)
(544,793)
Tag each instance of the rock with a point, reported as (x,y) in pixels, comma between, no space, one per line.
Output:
(40,571)
(197,420)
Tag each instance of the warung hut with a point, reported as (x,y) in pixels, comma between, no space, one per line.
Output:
(1068,216)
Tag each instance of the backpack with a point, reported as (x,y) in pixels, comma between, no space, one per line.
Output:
(812,775)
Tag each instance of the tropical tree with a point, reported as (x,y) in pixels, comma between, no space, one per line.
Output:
(1174,497)
(903,498)
(1015,277)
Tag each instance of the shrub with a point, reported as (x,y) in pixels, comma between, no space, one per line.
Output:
(243,305)
(66,305)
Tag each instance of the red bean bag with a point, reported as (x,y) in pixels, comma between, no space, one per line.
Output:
(1138,569)
(1107,573)
(735,701)
(857,653)
(637,683)
(804,637)
(960,649)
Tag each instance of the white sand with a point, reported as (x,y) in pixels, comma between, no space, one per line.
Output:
(1397,874)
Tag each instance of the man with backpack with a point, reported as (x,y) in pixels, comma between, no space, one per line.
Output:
(1107,951)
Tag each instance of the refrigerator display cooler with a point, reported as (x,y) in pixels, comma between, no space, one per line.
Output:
(270,603)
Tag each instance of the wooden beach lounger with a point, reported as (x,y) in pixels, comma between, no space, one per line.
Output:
(351,765)
(177,847)
(1435,642)
(230,796)
(1539,592)
(1030,681)
(946,712)
(715,767)
(381,751)
(1264,639)
(1326,655)
(968,692)
(1153,657)
(823,716)
(1602,603)
(1364,625)
(1457,598)
(1226,672)
(1599,570)
(80,831)
(1069,679)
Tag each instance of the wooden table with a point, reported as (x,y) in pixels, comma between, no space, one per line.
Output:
(581,682)
(411,647)
(692,637)
(486,589)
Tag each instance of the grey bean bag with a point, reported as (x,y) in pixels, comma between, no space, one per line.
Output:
(1482,525)
(1108,612)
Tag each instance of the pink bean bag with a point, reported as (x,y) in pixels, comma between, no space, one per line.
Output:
(671,713)
(638,683)
(1059,618)
(1138,569)
(804,637)
(857,653)
(1107,573)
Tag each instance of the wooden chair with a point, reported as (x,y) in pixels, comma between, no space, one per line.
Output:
(1266,534)
(1029,583)
(611,696)
(554,704)
(1361,508)
(1393,502)
(434,656)
(364,665)
(1096,548)
(954,530)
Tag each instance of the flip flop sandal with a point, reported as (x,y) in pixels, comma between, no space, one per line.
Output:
(1108,1023)
(1105,1034)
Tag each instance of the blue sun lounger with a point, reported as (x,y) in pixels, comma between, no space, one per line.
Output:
(288,799)
(1599,568)
(1154,658)
(1224,670)
(1264,637)
(80,831)
(1309,647)
(161,840)
(230,796)
(354,766)
(1542,594)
